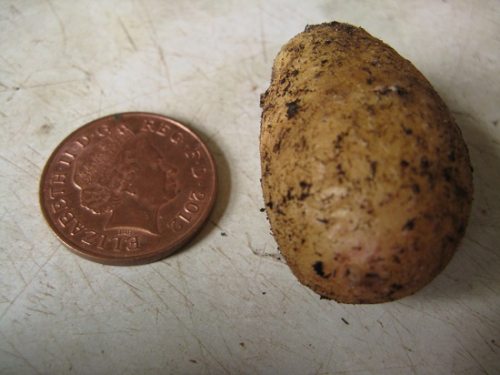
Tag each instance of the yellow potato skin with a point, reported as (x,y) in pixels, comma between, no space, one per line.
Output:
(365,174)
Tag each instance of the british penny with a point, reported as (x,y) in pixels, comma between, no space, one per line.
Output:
(127,189)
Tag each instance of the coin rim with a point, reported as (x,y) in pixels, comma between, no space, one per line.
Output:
(139,259)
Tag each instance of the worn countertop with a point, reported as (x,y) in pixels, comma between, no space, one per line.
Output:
(227,304)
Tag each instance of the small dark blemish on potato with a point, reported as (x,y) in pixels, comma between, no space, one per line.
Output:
(396,286)
(373,168)
(460,191)
(340,171)
(401,91)
(350,30)
(404,163)
(318,268)
(306,187)
(277,146)
(372,275)
(415,188)
(409,225)
(292,109)
(263,98)
(447,174)
(366,69)
(424,164)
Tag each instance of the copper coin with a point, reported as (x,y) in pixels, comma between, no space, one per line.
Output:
(128,189)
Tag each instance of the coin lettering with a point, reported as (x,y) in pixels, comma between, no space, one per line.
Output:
(177,137)
(198,171)
(57,187)
(59,205)
(160,128)
(116,243)
(128,189)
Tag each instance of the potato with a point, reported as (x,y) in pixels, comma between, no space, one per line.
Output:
(365,174)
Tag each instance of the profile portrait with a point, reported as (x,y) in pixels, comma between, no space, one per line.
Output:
(127,178)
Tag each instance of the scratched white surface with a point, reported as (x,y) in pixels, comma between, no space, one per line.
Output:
(227,304)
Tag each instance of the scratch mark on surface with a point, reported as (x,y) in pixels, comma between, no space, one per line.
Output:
(165,65)
(326,364)
(38,85)
(487,248)
(14,69)
(6,211)
(41,311)
(14,91)
(172,285)
(201,345)
(257,271)
(32,163)
(132,288)
(487,342)
(14,265)
(85,276)
(35,151)
(18,167)
(30,281)
(189,305)
(155,39)
(129,37)
(17,354)
(221,252)
(225,343)
(15,221)
(61,24)
(181,321)
(474,358)
(216,225)
(262,34)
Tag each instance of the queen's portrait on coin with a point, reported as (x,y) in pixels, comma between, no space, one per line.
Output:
(127,178)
